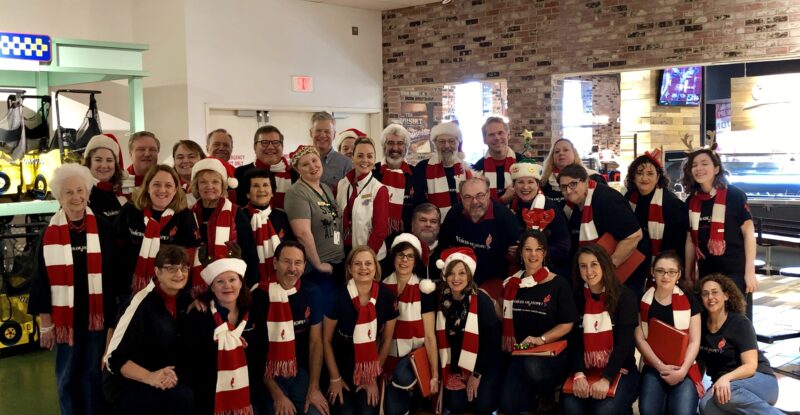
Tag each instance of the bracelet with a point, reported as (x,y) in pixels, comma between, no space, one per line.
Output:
(45,330)
(339,379)
(578,376)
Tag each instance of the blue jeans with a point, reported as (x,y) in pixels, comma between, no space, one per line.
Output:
(752,396)
(78,376)
(530,378)
(487,400)
(355,403)
(655,395)
(327,283)
(296,389)
(400,390)
(621,403)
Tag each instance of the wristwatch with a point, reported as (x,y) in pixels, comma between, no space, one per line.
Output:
(476,375)
(543,339)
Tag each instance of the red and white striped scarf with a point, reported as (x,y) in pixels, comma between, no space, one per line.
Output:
(469,343)
(490,170)
(283,180)
(716,240)
(266,238)
(395,181)
(58,260)
(655,216)
(151,242)
(598,337)
(233,384)
(281,358)
(137,178)
(511,286)
(438,190)
(409,331)
(365,333)
(681,317)
(220,229)
(588,232)
(108,187)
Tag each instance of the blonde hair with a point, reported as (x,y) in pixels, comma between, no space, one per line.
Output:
(196,180)
(549,162)
(351,256)
(141,197)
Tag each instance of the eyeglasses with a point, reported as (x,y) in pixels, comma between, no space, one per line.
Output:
(467,198)
(571,186)
(395,143)
(660,272)
(267,143)
(706,294)
(405,257)
(444,142)
(175,268)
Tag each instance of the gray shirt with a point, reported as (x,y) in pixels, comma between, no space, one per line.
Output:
(334,166)
(303,202)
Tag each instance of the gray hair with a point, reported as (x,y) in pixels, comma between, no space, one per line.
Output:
(398,130)
(68,171)
(474,179)
(322,116)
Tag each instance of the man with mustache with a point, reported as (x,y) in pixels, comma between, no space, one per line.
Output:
(143,147)
(334,164)
(395,174)
(294,328)
(268,146)
(437,179)
(425,223)
(219,144)
(488,227)
(499,157)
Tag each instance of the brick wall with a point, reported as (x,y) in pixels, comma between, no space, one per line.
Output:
(533,43)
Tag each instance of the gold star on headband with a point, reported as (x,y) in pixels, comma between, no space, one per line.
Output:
(527,135)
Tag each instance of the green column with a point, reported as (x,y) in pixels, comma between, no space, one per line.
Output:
(136,103)
(42,83)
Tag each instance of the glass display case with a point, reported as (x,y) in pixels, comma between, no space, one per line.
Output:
(766,175)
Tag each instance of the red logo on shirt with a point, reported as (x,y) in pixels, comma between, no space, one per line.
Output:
(547,299)
(174,231)
(308,312)
(489,241)
(722,344)
(233,381)
(369,334)
(283,333)
(596,325)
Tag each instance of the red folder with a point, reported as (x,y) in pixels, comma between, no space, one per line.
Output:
(422,369)
(592,377)
(667,342)
(549,349)
(625,269)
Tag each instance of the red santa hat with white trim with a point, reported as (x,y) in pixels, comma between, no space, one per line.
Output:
(425,285)
(348,133)
(220,166)
(110,142)
(460,253)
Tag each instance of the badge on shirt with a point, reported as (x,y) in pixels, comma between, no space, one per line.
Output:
(337,236)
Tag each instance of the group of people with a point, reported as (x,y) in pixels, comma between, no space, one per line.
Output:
(304,283)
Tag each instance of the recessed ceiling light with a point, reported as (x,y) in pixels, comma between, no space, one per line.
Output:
(446,1)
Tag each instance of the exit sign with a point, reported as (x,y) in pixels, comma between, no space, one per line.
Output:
(302,84)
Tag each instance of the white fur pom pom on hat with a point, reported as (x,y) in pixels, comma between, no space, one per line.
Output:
(427,286)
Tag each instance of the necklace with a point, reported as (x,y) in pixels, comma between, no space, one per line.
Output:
(77,226)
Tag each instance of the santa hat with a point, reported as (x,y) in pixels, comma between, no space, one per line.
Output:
(525,169)
(221,265)
(220,166)
(449,128)
(426,285)
(463,254)
(107,141)
(348,133)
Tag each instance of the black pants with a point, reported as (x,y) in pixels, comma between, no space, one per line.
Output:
(137,398)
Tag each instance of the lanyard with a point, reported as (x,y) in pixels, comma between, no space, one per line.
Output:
(358,193)
(324,199)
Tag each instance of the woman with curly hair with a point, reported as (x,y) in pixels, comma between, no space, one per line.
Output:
(602,345)
(721,233)
(743,381)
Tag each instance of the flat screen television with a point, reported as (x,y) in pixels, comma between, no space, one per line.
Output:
(681,86)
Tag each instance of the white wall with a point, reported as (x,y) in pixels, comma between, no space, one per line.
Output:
(243,52)
(77,19)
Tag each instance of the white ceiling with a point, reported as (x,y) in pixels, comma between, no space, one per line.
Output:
(375,4)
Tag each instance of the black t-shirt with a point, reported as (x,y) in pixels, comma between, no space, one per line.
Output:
(558,238)
(721,351)
(344,312)
(732,262)
(539,308)
(624,321)
(489,238)
(611,213)
(244,238)
(664,312)
(421,183)
(488,337)
(676,224)
(307,311)
(104,203)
